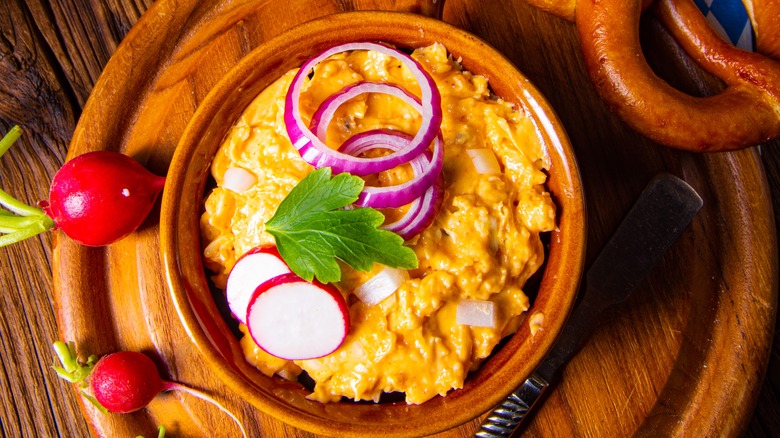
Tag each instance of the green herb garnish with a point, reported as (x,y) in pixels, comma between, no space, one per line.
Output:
(312,230)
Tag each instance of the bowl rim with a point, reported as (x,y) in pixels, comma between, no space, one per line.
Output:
(569,256)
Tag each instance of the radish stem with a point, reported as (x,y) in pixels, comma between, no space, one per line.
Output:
(160,432)
(19,207)
(72,370)
(21,221)
(9,139)
(174,386)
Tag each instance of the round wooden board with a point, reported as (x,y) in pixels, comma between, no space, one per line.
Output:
(686,354)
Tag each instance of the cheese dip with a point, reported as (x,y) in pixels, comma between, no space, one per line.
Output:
(483,244)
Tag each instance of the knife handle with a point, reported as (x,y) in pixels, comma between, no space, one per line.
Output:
(507,416)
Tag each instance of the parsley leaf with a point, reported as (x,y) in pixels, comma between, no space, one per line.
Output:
(312,230)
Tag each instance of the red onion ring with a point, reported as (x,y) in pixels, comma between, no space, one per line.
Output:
(423,209)
(372,196)
(315,152)
(401,194)
(429,208)
(327,109)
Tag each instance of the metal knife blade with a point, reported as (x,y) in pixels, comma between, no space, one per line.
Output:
(664,209)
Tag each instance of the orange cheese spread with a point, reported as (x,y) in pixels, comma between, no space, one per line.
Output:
(483,245)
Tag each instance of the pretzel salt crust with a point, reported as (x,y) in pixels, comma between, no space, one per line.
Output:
(745,113)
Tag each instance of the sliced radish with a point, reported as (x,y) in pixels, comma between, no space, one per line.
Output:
(477,313)
(294,319)
(250,271)
(381,285)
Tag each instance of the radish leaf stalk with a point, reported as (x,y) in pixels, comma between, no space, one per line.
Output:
(21,221)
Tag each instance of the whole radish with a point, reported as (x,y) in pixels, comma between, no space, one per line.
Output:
(100,197)
(125,382)
(96,199)
(121,382)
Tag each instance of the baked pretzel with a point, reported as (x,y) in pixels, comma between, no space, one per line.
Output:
(745,113)
(765,17)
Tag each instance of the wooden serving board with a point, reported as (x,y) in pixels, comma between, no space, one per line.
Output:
(685,355)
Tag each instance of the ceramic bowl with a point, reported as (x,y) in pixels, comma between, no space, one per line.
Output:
(182,206)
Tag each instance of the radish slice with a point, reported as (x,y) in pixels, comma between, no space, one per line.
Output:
(381,285)
(484,160)
(315,152)
(250,271)
(476,313)
(426,171)
(238,179)
(294,319)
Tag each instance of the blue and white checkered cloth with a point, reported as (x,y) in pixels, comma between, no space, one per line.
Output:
(730,19)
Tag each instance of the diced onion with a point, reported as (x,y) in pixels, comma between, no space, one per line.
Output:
(536,322)
(484,160)
(381,285)
(315,152)
(286,374)
(476,313)
(238,179)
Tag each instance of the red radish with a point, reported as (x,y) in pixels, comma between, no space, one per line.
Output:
(250,271)
(100,197)
(125,382)
(121,382)
(294,319)
(96,199)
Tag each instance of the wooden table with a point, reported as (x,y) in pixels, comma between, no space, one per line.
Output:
(51,55)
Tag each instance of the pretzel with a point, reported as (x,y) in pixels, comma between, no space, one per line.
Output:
(745,113)
(765,17)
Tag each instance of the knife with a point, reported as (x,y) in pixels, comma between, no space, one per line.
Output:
(664,209)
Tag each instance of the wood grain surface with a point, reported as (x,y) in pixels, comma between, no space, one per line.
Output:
(641,373)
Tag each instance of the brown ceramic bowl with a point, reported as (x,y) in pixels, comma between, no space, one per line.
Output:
(183,204)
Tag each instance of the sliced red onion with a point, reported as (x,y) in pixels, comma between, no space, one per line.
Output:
(315,152)
(324,114)
(414,210)
(429,208)
(401,194)
(476,313)
(423,209)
